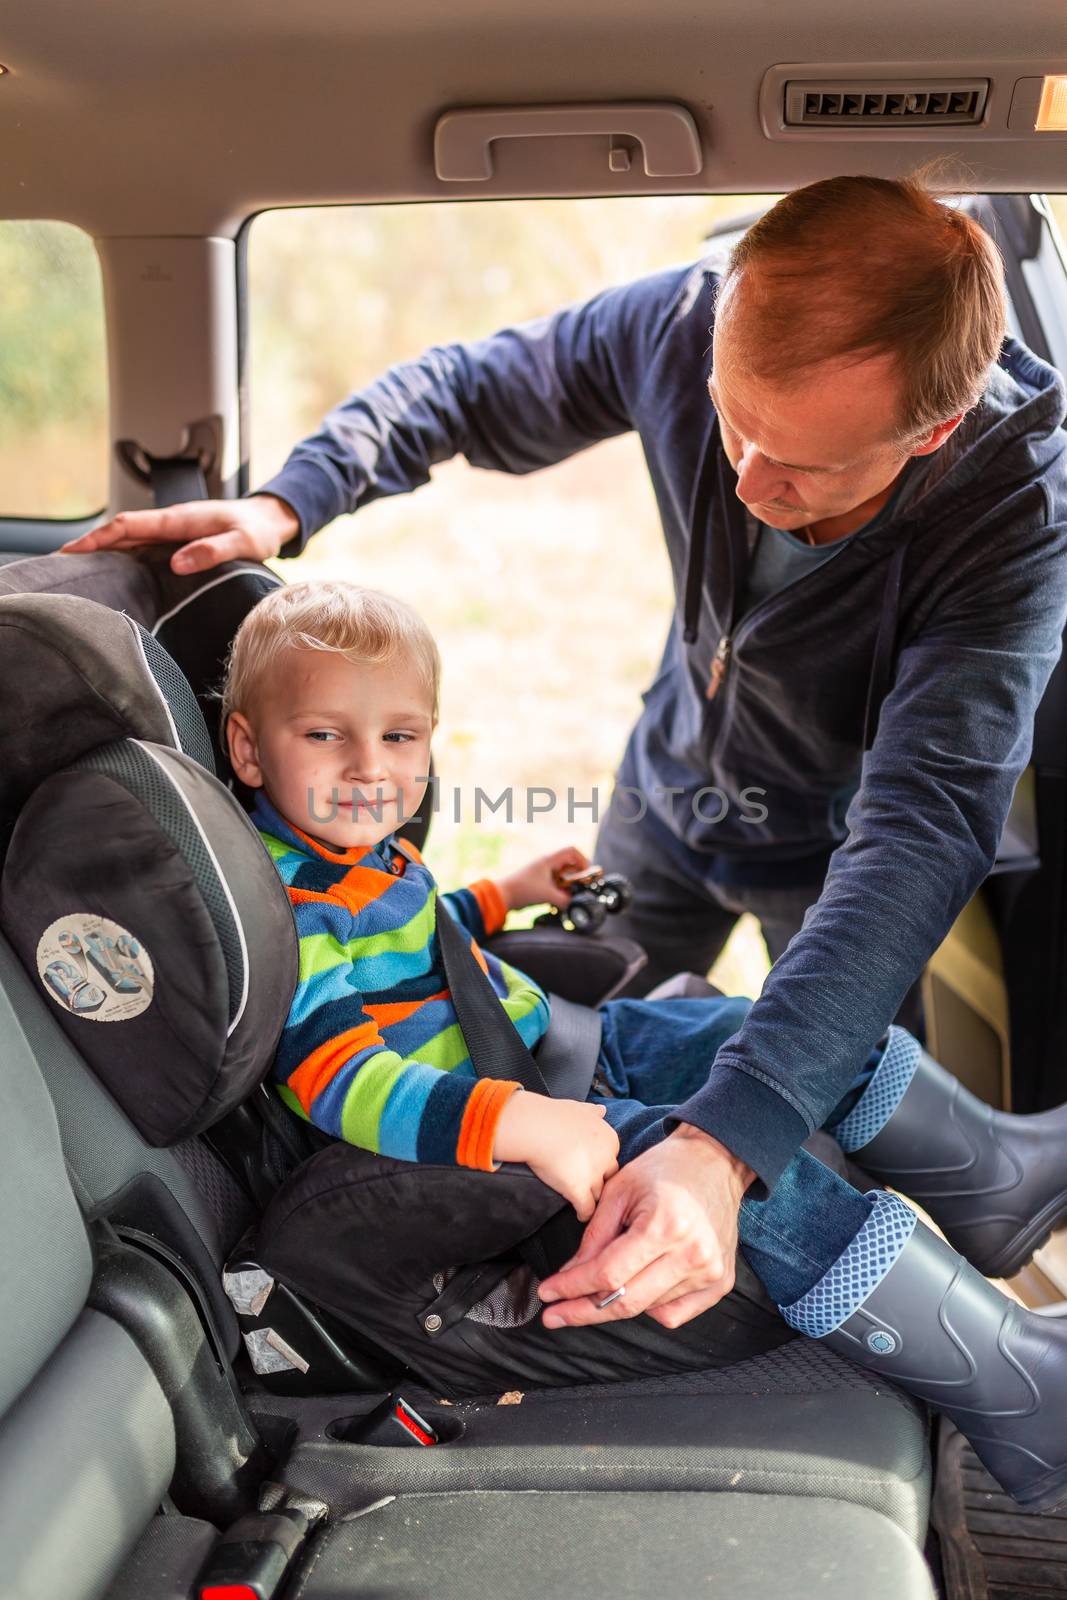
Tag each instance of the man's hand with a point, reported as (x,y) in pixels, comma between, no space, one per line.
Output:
(536,884)
(566,1143)
(209,531)
(665,1228)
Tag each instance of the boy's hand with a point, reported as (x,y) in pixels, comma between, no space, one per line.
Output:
(566,1143)
(665,1228)
(536,884)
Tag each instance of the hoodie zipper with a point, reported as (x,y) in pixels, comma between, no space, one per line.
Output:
(738,621)
(720,663)
(724,650)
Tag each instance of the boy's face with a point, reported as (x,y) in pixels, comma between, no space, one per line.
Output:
(341,750)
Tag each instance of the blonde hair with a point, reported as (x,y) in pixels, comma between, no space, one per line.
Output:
(364,625)
(857,266)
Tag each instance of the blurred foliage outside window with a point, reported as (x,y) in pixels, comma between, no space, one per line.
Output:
(53,373)
(549,594)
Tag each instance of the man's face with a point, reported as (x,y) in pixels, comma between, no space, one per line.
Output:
(811,451)
(340,748)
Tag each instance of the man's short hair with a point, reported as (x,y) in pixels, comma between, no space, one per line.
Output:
(859,266)
(364,625)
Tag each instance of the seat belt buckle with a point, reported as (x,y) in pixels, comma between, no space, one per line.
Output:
(252,1558)
(392,1422)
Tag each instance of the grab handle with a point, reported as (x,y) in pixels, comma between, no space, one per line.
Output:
(667,134)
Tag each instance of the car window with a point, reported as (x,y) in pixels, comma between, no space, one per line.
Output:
(53,373)
(549,594)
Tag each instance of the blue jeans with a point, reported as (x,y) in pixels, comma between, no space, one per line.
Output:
(655,1054)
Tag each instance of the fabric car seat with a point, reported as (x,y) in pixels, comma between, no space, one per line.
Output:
(193,618)
(184,1193)
(189,821)
(102,1353)
(112,1487)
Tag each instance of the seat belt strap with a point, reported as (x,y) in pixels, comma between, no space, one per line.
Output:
(568,1053)
(497,1051)
(175,479)
(493,1042)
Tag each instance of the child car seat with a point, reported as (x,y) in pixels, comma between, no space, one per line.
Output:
(137,894)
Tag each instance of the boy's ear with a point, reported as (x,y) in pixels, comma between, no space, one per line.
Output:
(244,754)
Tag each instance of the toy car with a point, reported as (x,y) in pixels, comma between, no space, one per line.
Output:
(595,895)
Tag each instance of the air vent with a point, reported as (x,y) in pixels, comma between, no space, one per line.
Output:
(841,104)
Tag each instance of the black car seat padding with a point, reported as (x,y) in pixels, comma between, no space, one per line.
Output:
(171,972)
(194,618)
(77,675)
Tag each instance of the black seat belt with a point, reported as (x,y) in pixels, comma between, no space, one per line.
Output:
(176,479)
(493,1042)
(497,1051)
(172,480)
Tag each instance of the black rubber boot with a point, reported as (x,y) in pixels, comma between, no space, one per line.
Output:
(937,1328)
(995,1183)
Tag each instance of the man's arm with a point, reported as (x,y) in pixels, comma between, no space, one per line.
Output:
(954,735)
(525,398)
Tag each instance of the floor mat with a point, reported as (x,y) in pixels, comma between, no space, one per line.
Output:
(990,1549)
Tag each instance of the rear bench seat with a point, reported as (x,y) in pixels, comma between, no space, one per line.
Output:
(824,1478)
(89,1449)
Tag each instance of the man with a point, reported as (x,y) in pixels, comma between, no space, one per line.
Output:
(865,520)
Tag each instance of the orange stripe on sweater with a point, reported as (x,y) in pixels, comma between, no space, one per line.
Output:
(356,890)
(355,852)
(320,1067)
(477,1133)
(399,1010)
(303,896)
(490,903)
(361,885)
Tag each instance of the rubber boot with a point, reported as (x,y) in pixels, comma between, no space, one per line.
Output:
(901,1302)
(995,1183)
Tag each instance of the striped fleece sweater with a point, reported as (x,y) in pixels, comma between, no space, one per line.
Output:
(372,1051)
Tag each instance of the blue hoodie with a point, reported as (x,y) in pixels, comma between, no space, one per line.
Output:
(938,627)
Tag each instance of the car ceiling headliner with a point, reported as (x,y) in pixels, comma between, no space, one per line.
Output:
(157,118)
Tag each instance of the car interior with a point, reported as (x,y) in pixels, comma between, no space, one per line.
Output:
(177,1416)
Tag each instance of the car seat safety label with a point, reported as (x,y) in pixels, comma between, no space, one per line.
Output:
(95,969)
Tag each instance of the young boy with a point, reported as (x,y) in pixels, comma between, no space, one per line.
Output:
(329,707)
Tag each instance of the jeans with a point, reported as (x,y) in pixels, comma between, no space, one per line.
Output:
(655,1054)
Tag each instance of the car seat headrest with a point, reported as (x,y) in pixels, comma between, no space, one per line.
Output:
(76,675)
(194,618)
(142,903)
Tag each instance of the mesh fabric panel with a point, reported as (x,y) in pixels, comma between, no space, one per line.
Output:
(883,1094)
(229,1206)
(166,1560)
(511,1303)
(135,770)
(800,1368)
(188,718)
(856,1272)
